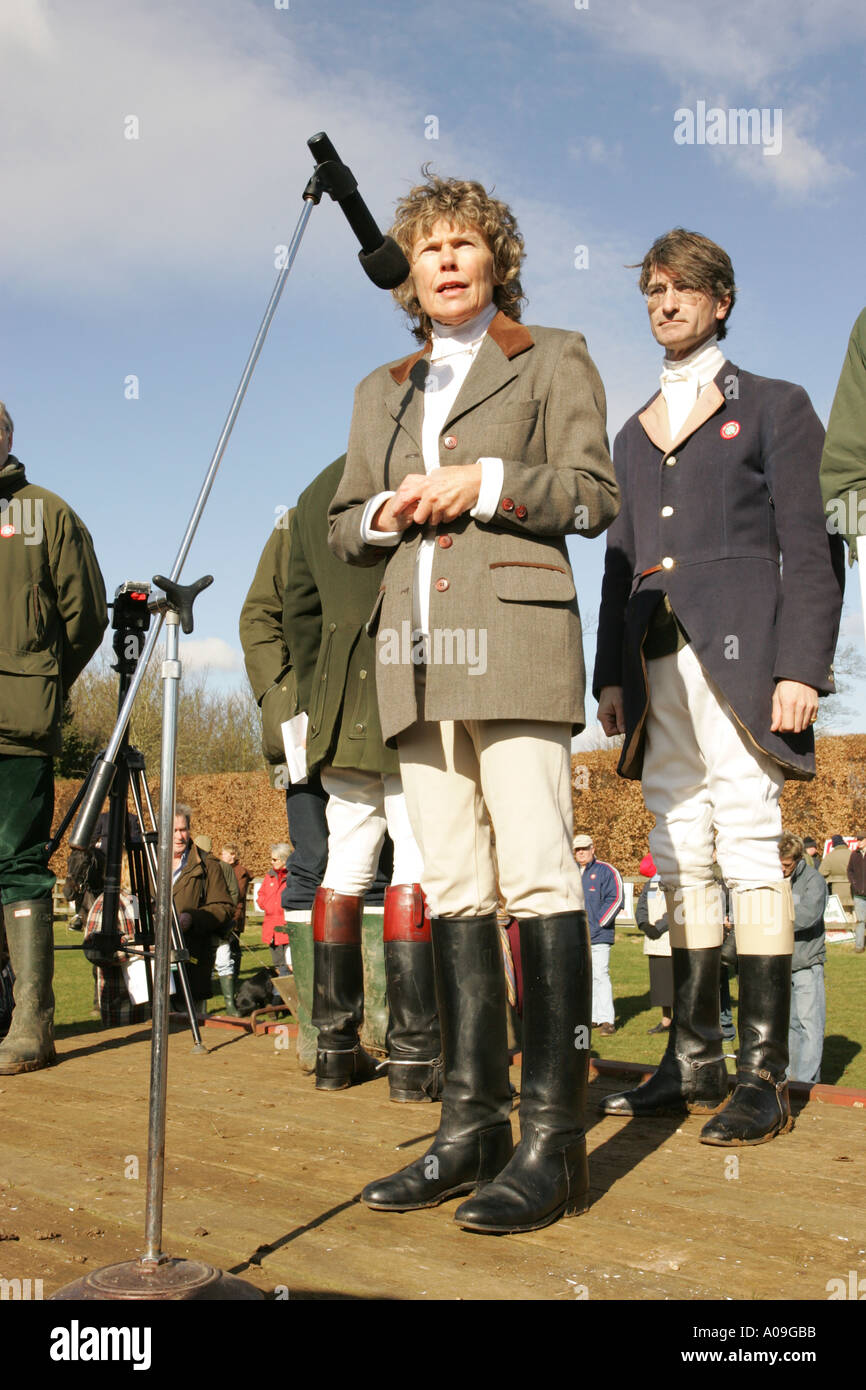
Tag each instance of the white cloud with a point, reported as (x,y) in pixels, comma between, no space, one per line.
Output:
(749,51)
(225,94)
(209,653)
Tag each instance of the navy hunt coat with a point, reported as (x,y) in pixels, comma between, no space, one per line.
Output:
(727,520)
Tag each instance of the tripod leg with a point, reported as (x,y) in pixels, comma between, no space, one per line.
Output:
(138,785)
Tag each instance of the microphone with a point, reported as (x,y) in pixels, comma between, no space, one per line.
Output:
(380,256)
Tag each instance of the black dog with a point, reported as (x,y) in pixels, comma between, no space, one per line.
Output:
(256,992)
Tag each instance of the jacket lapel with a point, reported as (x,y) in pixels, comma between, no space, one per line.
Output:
(405,399)
(657,426)
(494,367)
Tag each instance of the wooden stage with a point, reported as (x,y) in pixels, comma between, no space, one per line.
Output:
(263,1175)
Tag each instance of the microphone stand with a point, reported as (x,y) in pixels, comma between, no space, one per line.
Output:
(156,1276)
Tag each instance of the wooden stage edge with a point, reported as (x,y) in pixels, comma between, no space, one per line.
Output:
(264,1174)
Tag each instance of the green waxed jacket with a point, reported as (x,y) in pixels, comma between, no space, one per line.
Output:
(326,607)
(53,612)
(267,658)
(843,463)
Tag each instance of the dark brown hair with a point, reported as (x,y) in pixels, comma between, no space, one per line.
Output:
(697,262)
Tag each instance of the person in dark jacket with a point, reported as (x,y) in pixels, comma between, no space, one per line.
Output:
(808,1007)
(325,610)
(857,880)
(603,895)
(52,619)
(719,616)
(203,903)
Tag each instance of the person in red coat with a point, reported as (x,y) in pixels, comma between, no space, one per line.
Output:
(274,932)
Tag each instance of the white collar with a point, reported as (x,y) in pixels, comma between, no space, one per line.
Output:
(450,340)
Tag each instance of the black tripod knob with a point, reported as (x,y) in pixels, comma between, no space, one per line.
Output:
(181,597)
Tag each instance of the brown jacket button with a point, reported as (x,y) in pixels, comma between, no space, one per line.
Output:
(507,504)
(520,512)
(450,441)
(444,541)
(441,585)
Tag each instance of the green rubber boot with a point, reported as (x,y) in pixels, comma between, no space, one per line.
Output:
(374,1030)
(301,942)
(227,985)
(29,1044)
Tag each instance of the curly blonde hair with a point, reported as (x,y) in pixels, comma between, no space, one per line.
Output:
(464,203)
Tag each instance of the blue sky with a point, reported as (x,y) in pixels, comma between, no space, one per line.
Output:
(154,256)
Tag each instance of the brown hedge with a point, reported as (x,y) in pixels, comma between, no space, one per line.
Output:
(243,807)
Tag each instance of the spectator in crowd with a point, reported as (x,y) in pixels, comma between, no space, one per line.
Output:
(228,953)
(808,1012)
(603,895)
(270,900)
(812,851)
(203,903)
(834,868)
(52,618)
(325,610)
(651,916)
(857,881)
(230,854)
(719,615)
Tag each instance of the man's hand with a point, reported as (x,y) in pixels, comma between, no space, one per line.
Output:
(185,921)
(795,707)
(610,710)
(448,493)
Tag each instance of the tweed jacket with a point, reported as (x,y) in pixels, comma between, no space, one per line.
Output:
(505,636)
(706,519)
(325,609)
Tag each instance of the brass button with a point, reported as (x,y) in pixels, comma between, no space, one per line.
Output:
(332,627)
(667,563)
(441,585)
(444,541)
(671,461)
(450,441)
(667,511)
(359,728)
(362,675)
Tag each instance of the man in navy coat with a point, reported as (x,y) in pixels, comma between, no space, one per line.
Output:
(719,615)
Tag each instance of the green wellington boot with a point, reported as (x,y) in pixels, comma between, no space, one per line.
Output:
(29,1044)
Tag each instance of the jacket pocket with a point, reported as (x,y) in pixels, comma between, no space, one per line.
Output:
(31,703)
(320,693)
(524,581)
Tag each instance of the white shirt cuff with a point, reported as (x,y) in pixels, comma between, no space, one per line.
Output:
(492,476)
(370,536)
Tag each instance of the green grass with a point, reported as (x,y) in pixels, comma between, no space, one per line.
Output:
(844,1049)
(844,1061)
(73,978)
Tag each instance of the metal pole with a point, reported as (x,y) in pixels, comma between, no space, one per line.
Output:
(104,770)
(162,950)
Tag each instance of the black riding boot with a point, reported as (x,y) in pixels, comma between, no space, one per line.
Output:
(691,1077)
(474,1138)
(338,991)
(413,1040)
(548,1175)
(759,1109)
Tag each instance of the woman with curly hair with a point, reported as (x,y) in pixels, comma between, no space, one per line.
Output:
(468,464)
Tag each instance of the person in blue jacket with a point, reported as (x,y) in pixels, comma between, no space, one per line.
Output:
(602,891)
